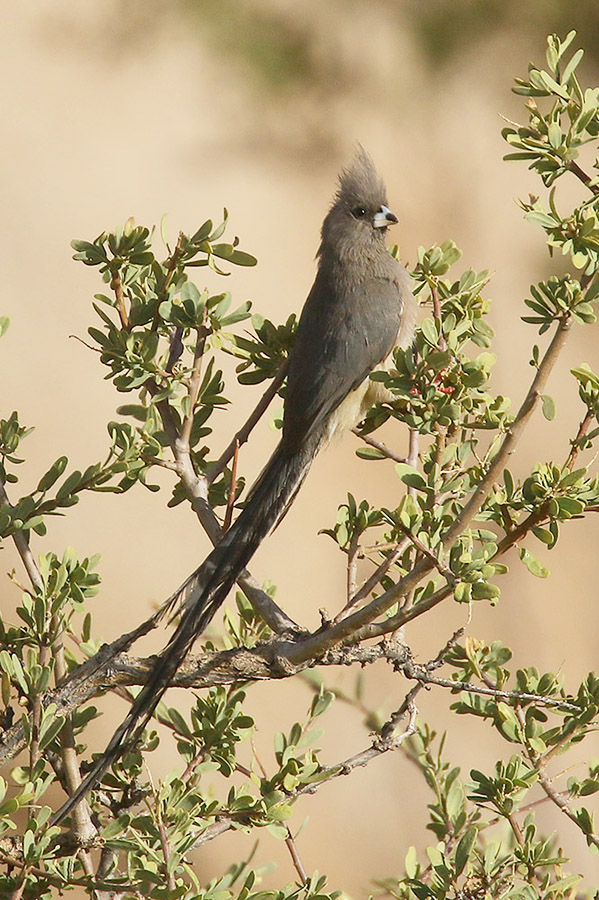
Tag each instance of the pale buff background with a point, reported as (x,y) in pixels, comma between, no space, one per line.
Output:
(120,108)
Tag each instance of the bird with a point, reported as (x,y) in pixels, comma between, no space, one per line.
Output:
(359,309)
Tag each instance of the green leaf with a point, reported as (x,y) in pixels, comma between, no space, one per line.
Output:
(116,827)
(220,228)
(552,85)
(532,564)
(370,453)
(163,230)
(429,332)
(49,731)
(277,831)
(464,849)
(548,405)
(411,862)
(409,511)
(462,592)
(569,506)
(585,820)
(482,590)
(53,474)
(135,410)
(572,65)
(411,476)
(544,535)
(554,133)
(585,375)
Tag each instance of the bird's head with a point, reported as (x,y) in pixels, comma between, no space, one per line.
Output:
(357,222)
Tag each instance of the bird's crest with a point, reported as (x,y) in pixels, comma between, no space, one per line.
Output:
(361,181)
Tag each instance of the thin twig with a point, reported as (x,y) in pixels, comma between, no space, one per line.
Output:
(166,849)
(582,176)
(378,445)
(576,443)
(171,266)
(556,797)
(21,542)
(526,808)
(85,344)
(289,840)
(116,285)
(413,450)
(372,581)
(198,758)
(536,517)
(246,429)
(352,565)
(296,859)
(36,715)
(517,831)
(82,825)
(424,551)
(440,444)
(419,673)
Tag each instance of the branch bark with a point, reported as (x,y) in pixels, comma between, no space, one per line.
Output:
(111,668)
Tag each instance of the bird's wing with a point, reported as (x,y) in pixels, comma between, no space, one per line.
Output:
(342,337)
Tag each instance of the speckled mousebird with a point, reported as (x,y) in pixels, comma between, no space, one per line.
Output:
(360,307)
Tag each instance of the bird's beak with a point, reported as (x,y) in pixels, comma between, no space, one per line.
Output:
(384,217)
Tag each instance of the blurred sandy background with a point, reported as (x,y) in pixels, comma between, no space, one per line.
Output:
(140,108)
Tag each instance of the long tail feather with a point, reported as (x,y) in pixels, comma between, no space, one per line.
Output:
(205,591)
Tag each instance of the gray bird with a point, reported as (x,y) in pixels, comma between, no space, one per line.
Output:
(360,307)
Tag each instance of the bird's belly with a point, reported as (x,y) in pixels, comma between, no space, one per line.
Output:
(349,412)
(357,403)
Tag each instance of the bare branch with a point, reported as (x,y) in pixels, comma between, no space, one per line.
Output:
(82,825)
(111,668)
(352,565)
(117,286)
(583,176)
(413,453)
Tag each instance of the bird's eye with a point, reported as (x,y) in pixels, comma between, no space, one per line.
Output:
(359,212)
